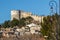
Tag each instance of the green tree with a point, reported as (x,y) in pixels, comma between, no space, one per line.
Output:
(29,19)
(57,26)
(14,22)
(22,22)
(6,24)
(49,27)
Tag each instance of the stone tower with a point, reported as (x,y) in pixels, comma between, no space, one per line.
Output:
(15,14)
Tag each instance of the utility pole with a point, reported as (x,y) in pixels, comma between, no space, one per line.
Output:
(59,7)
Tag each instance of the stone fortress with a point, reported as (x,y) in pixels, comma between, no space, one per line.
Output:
(25,31)
(17,14)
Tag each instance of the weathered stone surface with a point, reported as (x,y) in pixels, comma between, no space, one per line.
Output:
(25,37)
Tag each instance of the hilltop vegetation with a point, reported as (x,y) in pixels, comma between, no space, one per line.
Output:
(15,22)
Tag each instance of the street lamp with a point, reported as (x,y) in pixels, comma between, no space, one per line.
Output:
(53,3)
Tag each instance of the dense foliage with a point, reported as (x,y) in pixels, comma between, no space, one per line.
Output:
(49,26)
(15,22)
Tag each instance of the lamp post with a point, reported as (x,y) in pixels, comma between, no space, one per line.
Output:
(59,7)
(53,4)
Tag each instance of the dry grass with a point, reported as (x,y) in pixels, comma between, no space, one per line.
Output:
(25,37)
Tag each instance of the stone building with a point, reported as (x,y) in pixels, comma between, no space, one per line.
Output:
(14,14)
(17,14)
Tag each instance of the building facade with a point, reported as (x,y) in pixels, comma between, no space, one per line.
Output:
(14,14)
(17,14)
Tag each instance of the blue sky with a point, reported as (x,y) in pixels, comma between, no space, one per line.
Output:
(38,7)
